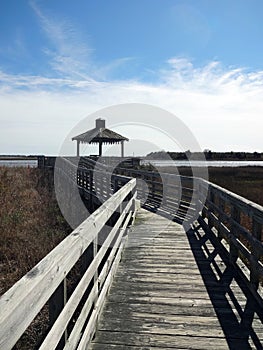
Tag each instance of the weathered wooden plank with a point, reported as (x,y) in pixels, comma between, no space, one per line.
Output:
(177,305)
(181,308)
(172,279)
(164,341)
(100,346)
(182,269)
(180,325)
(184,295)
(160,299)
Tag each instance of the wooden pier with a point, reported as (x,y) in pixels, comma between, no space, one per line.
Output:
(165,295)
(182,273)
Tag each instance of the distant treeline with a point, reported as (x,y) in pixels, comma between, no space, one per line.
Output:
(17,157)
(209,155)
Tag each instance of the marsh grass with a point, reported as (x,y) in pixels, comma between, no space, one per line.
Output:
(31,225)
(30,222)
(245,181)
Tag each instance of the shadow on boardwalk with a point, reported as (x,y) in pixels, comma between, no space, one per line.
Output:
(237,312)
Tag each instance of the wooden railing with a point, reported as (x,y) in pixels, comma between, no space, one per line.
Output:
(172,196)
(234,222)
(73,318)
(99,182)
(235,227)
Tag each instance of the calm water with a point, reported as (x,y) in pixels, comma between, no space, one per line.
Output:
(20,163)
(197,163)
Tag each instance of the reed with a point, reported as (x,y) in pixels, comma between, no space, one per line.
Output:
(30,222)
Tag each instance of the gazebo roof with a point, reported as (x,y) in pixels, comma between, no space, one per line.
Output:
(100,134)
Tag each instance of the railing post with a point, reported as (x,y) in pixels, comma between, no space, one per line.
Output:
(86,180)
(108,188)
(115,185)
(256,232)
(212,200)
(235,216)
(143,188)
(203,199)
(91,189)
(56,304)
(153,186)
(95,251)
(166,188)
(221,206)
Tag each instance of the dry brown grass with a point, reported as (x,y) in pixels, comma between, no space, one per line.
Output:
(30,222)
(245,181)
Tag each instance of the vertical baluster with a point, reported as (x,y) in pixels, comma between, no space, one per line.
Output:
(90,189)
(221,206)
(256,231)
(166,188)
(56,304)
(203,199)
(235,215)
(95,251)
(211,197)
(153,186)
(85,180)
(108,184)
(115,185)
(80,178)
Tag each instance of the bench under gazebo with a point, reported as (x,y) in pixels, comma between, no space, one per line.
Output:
(101,135)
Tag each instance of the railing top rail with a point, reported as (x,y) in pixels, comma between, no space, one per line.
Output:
(245,205)
(249,207)
(95,171)
(22,302)
(138,171)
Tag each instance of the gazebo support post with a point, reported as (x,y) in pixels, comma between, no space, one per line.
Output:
(78,142)
(99,135)
(100,149)
(122,149)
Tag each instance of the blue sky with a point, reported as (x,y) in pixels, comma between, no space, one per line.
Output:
(62,60)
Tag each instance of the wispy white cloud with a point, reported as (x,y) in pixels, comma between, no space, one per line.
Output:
(221,105)
(10,82)
(212,77)
(68,54)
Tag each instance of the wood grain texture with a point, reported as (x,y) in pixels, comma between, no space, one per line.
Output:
(21,303)
(166,295)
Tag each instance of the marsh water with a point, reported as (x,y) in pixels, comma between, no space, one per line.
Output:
(198,163)
(160,163)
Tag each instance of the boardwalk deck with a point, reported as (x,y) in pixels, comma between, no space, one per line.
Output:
(172,291)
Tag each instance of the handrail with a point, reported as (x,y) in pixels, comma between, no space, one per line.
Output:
(21,303)
(179,202)
(236,226)
(235,223)
(173,196)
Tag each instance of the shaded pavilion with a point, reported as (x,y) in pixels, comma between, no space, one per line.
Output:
(101,135)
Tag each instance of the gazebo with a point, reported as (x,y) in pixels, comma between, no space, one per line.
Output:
(100,135)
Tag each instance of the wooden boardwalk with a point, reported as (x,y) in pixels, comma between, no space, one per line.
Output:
(172,291)
(157,288)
